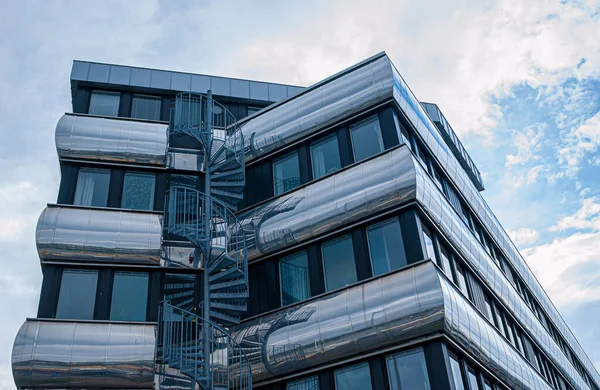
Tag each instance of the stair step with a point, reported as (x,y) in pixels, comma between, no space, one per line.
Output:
(229,306)
(229,194)
(219,175)
(232,283)
(229,159)
(229,295)
(225,317)
(221,262)
(228,273)
(225,183)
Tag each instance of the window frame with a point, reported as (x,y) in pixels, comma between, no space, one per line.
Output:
(371,118)
(280,159)
(322,246)
(105,93)
(112,294)
(305,252)
(139,173)
(320,141)
(74,271)
(81,169)
(379,225)
(147,97)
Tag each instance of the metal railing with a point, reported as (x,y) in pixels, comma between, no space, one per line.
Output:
(185,217)
(181,337)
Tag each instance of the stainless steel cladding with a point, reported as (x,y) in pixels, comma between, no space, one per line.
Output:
(108,139)
(362,190)
(456,230)
(432,137)
(93,235)
(377,314)
(53,354)
(321,105)
(474,333)
(359,319)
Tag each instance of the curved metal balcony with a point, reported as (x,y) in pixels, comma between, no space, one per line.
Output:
(66,233)
(59,354)
(111,139)
(375,315)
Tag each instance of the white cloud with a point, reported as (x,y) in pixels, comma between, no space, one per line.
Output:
(568,268)
(587,217)
(527,142)
(523,236)
(579,143)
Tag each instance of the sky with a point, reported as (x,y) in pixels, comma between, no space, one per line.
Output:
(519,81)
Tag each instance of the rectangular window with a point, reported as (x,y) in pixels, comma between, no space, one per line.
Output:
(338,263)
(129,296)
(456,374)
(488,308)
(146,107)
(446,266)
(104,103)
(366,138)
(286,173)
(428,238)
(293,274)
(386,247)
(138,191)
(487,385)
(473,385)
(253,110)
(310,383)
(185,181)
(407,370)
(325,157)
(437,178)
(357,377)
(92,187)
(461,280)
(77,295)
(498,320)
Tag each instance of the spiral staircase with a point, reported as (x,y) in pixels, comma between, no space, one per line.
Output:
(196,351)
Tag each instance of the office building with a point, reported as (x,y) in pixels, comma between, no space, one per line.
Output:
(338,232)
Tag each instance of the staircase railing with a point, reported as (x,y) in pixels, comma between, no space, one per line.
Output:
(181,337)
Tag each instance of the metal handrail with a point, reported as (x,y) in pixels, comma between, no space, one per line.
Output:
(185,217)
(182,347)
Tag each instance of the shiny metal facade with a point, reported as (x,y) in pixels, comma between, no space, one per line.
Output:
(456,231)
(111,139)
(129,76)
(59,354)
(374,315)
(98,236)
(318,107)
(360,191)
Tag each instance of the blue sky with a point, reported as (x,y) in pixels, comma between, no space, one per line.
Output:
(519,82)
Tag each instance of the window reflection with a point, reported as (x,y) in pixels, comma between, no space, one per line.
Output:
(77,295)
(104,103)
(456,374)
(138,191)
(357,377)
(145,107)
(338,263)
(310,383)
(386,247)
(286,173)
(295,283)
(366,138)
(129,296)
(92,187)
(325,157)
(407,370)
(473,385)
(427,237)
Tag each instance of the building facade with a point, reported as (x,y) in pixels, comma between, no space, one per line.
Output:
(337,231)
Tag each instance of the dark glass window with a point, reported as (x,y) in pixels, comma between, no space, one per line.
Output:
(456,374)
(310,383)
(428,238)
(357,377)
(499,322)
(461,281)
(437,178)
(129,296)
(407,370)
(104,103)
(145,107)
(473,385)
(487,385)
(446,266)
(386,247)
(338,263)
(293,274)
(186,181)
(92,187)
(138,191)
(77,296)
(366,138)
(488,308)
(325,157)
(286,173)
